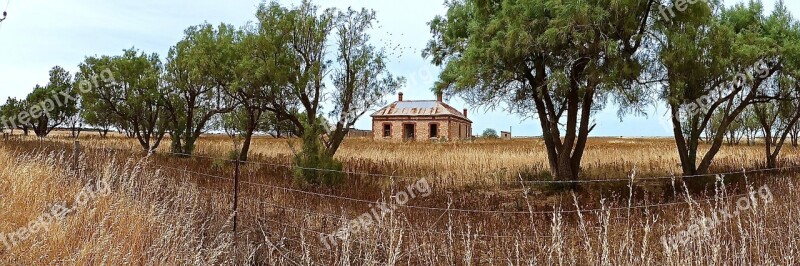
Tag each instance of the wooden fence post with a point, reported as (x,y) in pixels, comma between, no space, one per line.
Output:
(76,155)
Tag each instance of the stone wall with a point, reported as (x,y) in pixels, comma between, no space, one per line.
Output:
(448,128)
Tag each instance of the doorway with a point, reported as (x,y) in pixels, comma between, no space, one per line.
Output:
(409,131)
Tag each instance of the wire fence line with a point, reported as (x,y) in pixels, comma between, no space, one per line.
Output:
(337,217)
(496,236)
(436,209)
(631,180)
(439,209)
(342,217)
(609,180)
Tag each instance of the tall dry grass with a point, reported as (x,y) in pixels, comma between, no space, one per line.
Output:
(485,163)
(162,216)
(147,219)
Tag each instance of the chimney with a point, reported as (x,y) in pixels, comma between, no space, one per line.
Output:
(465,112)
(439,96)
(400,96)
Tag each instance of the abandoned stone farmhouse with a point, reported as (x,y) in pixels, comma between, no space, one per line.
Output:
(420,120)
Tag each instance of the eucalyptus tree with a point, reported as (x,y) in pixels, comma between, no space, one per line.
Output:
(95,112)
(558,61)
(278,127)
(794,134)
(134,98)
(95,116)
(750,126)
(198,73)
(50,106)
(260,71)
(9,114)
(233,122)
(352,76)
(716,61)
(777,118)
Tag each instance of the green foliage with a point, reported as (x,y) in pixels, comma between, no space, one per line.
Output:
(558,59)
(315,166)
(9,113)
(134,99)
(278,127)
(283,68)
(50,106)
(726,58)
(198,71)
(490,133)
(233,123)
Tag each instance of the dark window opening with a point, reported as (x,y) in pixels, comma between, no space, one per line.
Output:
(387,130)
(434,130)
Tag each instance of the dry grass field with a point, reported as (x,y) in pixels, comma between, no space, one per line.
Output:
(170,210)
(482,162)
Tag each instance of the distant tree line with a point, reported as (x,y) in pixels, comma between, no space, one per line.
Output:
(270,76)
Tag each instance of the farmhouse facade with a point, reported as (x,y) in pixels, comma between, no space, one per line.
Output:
(420,120)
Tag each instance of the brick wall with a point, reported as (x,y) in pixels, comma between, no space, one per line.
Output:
(448,128)
(460,130)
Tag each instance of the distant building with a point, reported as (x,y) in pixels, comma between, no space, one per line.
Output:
(358,133)
(420,120)
(505,135)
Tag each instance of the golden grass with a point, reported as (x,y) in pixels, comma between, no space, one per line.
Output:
(486,162)
(139,223)
(158,216)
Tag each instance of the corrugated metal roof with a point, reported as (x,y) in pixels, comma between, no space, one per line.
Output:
(416,104)
(419,108)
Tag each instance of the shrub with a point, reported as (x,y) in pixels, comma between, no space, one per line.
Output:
(315,166)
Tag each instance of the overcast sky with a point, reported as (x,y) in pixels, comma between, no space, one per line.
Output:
(40,34)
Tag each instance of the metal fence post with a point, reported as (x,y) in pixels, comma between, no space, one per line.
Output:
(235,205)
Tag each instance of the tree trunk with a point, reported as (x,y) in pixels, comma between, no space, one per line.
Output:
(176,146)
(564,156)
(771,158)
(686,150)
(248,137)
(252,116)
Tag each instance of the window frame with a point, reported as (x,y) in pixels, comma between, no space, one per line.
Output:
(431,126)
(387,130)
